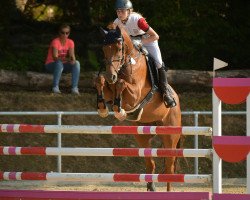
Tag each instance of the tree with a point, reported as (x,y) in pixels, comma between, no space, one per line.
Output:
(191,32)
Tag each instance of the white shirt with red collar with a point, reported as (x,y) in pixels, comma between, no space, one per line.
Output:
(136,25)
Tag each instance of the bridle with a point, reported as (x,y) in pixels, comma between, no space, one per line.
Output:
(123,60)
(120,60)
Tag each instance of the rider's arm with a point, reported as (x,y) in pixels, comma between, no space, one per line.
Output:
(153,36)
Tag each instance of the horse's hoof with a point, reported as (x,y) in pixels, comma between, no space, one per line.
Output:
(122,115)
(151,187)
(103,112)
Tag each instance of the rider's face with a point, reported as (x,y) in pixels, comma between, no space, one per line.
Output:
(122,14)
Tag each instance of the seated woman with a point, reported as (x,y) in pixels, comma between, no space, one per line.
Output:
(61,58)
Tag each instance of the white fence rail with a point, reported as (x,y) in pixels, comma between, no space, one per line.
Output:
(60,114)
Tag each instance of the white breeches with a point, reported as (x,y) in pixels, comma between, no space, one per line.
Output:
(155,52)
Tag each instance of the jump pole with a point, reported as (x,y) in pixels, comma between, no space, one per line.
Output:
(128,152)
(72,129)
(248,134)
(217,162)
(105,177)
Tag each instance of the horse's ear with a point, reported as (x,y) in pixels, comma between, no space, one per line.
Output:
(118,30)
(103,32)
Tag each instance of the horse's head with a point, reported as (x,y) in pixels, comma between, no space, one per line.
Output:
(113,49)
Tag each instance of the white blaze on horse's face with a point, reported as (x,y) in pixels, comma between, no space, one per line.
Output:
(113,60)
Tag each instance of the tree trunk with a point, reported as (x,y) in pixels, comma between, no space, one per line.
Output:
(37,81)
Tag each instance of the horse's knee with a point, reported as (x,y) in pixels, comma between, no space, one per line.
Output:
(99,81)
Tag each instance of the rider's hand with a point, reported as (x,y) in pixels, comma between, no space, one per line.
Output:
(137,43)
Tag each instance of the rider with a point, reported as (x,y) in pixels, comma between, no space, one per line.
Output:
(136,25)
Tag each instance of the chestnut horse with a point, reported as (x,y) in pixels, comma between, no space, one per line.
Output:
(125,83)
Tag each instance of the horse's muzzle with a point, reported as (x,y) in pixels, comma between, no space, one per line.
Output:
(111,78)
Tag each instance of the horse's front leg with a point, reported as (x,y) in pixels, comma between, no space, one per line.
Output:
(102,108)
(119,112)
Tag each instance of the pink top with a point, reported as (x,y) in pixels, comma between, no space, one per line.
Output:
(63,50)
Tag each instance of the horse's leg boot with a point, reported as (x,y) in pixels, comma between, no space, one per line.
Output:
(163,83)
(151,187)
(102,108)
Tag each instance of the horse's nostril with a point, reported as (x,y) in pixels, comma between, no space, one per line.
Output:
(114,78)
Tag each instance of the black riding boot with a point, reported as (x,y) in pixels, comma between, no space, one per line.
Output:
(163,83)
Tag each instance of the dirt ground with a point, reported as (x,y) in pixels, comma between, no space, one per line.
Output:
(15,100)
(232,186)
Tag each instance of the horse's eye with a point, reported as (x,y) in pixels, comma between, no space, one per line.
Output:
(119,49)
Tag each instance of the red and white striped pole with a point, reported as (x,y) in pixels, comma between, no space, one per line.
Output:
(248,134)
(154,130)
(131,152)
(106,177)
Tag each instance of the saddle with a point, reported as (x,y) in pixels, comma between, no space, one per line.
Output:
(138,45)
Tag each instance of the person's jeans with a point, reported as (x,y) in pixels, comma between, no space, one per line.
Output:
(58,67)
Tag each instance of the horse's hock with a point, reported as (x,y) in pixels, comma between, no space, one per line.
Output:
(36,80)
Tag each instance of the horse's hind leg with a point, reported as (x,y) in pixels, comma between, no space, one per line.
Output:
(171,141)
(144,141)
